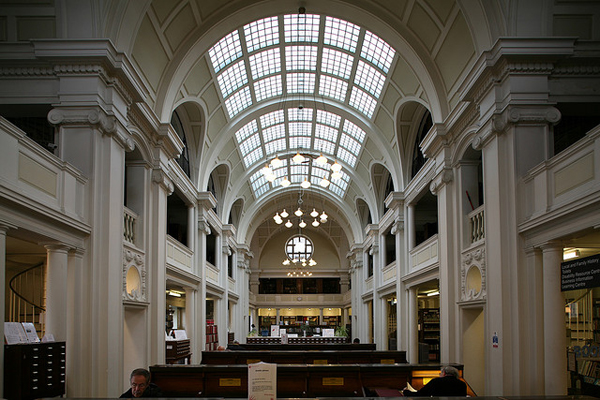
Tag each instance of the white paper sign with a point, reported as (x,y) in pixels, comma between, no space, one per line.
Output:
(180,334)
(327,332)
(262,381)
(274,330)
(14,333)
(31,333)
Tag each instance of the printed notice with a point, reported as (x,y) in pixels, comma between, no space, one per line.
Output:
(30,332)
(14,333)
(262,381)
(583,273)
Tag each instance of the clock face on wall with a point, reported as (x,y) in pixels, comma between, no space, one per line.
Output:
(299,248)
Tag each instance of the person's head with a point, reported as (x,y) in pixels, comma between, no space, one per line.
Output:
(449,371)
(139,381)
(356,341)
(236,342)
(220,348)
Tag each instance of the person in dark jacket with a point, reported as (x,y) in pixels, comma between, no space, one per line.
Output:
(448,384)
(141,385)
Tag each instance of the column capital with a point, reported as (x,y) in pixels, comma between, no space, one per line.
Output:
(94,117)
(57,247)
(6,226)
(444,177)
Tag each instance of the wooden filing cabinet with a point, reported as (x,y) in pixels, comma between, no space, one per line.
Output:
(34,370)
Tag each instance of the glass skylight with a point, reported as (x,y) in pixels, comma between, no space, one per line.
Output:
(301,28)
(337,63)
(340,33)
(265,63)
(232,78)
(311,57)
(262,33)
(301,83)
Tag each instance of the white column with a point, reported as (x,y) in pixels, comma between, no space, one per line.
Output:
(56,295)
(413,329)
(555,342)
(410,226)
(191,323)
(321,316)
(277,310)
(191,227)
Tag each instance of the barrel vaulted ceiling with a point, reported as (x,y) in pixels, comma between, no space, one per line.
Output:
(256,79)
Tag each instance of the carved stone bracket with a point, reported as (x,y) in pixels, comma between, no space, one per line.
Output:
(160,178)
(443,178)
(203,225)
(397,227)
(134,277)
(473,275)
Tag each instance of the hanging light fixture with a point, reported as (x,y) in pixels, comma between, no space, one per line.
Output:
(300,214)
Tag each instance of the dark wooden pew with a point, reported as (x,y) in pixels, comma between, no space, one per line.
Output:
(308,346)
(293,380)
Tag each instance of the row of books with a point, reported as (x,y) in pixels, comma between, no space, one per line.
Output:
(589,368)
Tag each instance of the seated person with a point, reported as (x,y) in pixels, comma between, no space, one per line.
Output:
(356,341)
(448,384)
(235,346)
(141,386)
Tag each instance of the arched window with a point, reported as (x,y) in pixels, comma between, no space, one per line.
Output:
(184,158)
(418,159)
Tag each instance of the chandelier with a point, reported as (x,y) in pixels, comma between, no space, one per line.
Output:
(300,214)
(269,170)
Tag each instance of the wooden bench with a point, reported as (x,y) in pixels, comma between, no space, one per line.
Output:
(293,380)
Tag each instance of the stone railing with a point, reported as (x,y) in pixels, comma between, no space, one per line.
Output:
(129,225)
(476,224)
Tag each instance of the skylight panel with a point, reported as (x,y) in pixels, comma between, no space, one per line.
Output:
(300,129)
(259,184)
(333,87)
(301,58)
(253,157)
(238,101)
(326,132)
(301,83)
(340,33)
(328,118)
(265,63)
(225,51)
(354,131)
(375,50)
(346,156)
(339,186)
(300,142)
(268,87)
(337,190)
(296,114)
(324,146)
(301,28)
(273,132)
(275,146)
(245,131)
(280,173)
(232,78)
(249,145)
(350,144)
(298,172)
(337,63)
(272,118)
(261,33)
(369,79)
(362,102)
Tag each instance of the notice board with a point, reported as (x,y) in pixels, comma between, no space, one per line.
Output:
(583,273)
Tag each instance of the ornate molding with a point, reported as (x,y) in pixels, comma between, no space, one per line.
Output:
(203,225)
(135,260)
(442,179)
(525,115)
(161,178)
(476,258)
(96,118)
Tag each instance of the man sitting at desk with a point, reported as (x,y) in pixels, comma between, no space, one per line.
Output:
(448,384)
(141,386)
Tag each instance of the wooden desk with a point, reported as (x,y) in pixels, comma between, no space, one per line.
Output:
(293,380)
